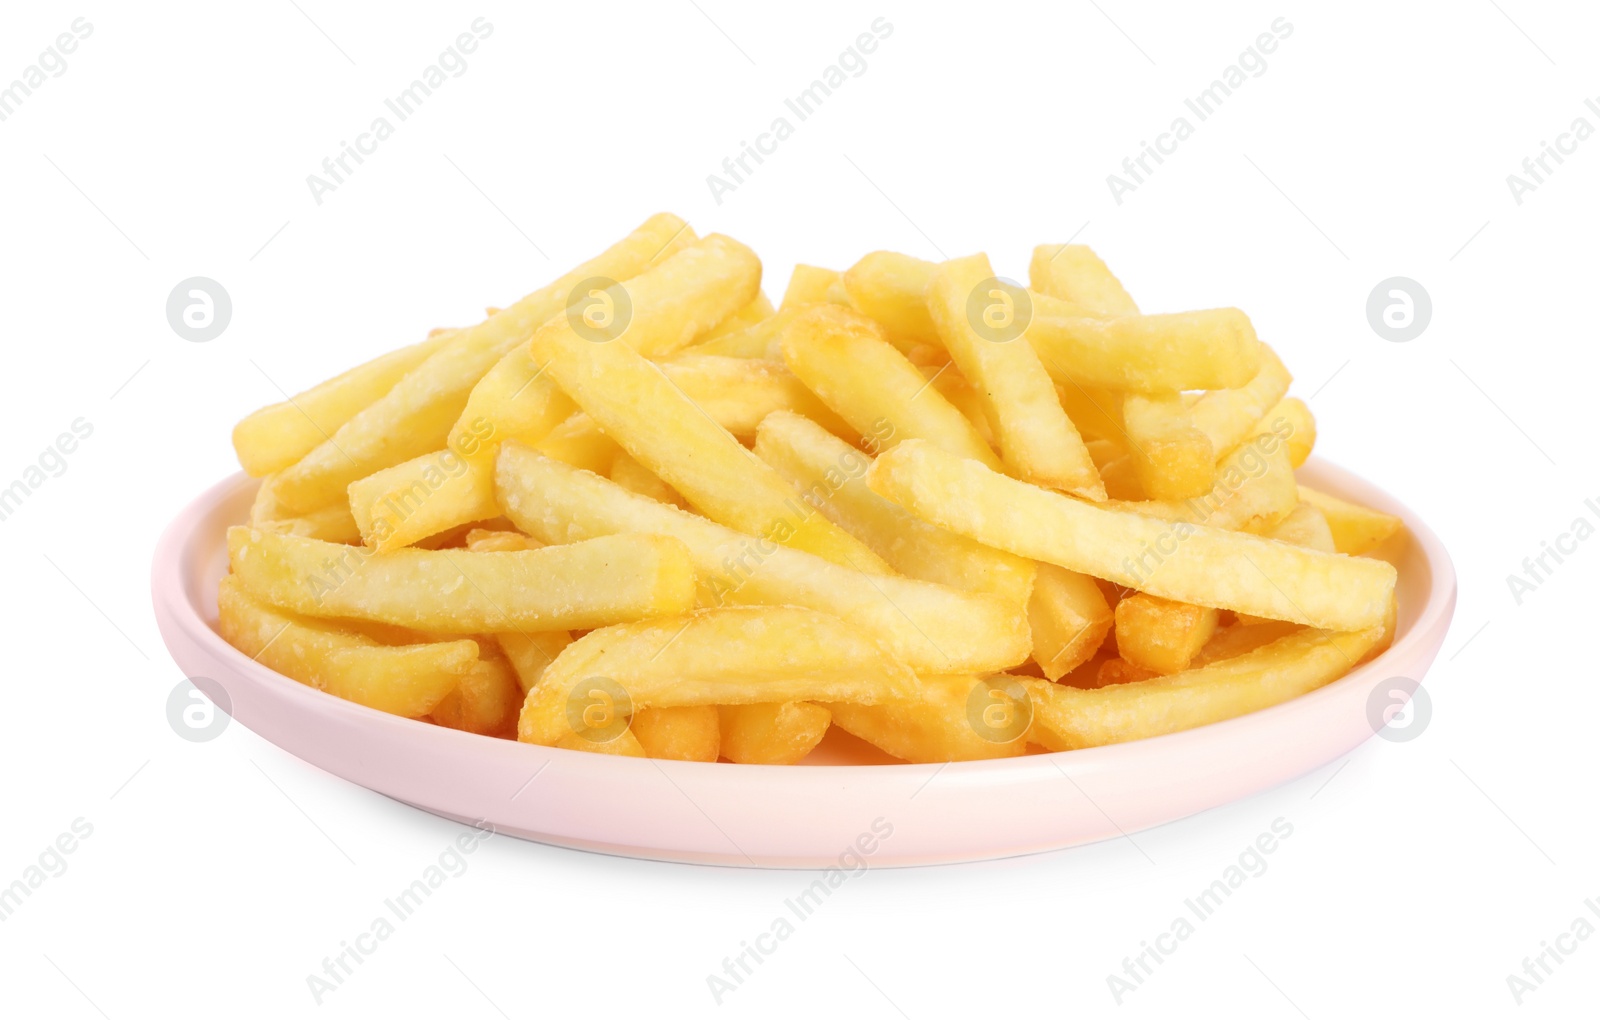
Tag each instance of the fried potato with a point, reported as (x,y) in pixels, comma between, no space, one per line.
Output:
(760,340)
(737,656)
(1176,560)
(930,627)
(1229,417)
(891,289)
(1117,671)
(1038,442)
(587,584)
(330,524)
(666,431)
(404,504)
(830,475)
(1068,618)
(528,654)
(635,477)
(1171,457)
(1067,718)
(417,414)
(1305,526)
(1355,529)
(811,285)
(1298,424)
(276,436)
(739,392)
(500,540)
(951,718)
(578,441)
(779,733)
(1075,274)
(845,360)
(408,680)
(1160,635)
(1205,350)
(486,700)
(1254,490)
(758,310)
(686,733)
(1096,413)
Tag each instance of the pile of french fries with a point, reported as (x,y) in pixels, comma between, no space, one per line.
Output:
(642,512)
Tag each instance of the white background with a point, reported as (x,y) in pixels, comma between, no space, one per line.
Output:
(1376,144)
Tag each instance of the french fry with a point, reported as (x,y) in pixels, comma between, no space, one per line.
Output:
(714,657)
(624,744)
(810,285)
(779,733)
(1238,638)
(1038,442)
(1160,635)
(588,584)
(830,474)
(760,341)
(1355,529)
(1075,274)
(635,477)
(1204,350)
(330,524)
(578,441)
(529,654)
(1296,421)
(1305,526)
(844,359)
(686,733)
(1068,618)
(1228,417)
(417,414)
(276,436)
(1096,413)
(1176,560)
(666,431)
(951,718)
(1117,671)
(738,392)
(1066,718)
(500,540)
(1254,490)
(408,680)
(891,289)
(404,504)
(486,700)
(758,310)
(930,627)
(1171,457)
(962,396)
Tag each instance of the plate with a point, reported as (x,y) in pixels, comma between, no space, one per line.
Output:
(837,808)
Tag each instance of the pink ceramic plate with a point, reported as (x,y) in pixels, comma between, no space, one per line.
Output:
(771,816)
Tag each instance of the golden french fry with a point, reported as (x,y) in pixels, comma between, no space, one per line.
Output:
(1066,718)
(408,680)
(1161,635)
(330,524)
(401,505)
(932,628)
(739,392)
(1068,618)
(1172,458)
(1204,350)
(758,310)
(528,653)
(635,477)
(500,540)
(1355,529)
(954,387)
(779,733)
(1305,526)
(831,474)
(1254,490)
(276,436)
(710,657)
(760,340)
(1117,671)
(416,415)
(685,733)
(844,359)
(587,584)
(1229,417)
(891,289)
(1038,442)
(1096,413)
(1292,417)
(951,718)
(578,441)
(1238,638)
(486,700)
(666,431)
(1176,560)
(1075,274)
(810,285)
